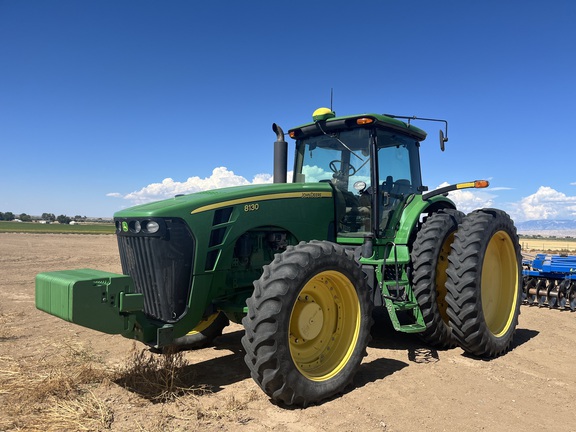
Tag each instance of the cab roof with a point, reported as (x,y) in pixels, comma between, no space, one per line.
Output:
(327,121)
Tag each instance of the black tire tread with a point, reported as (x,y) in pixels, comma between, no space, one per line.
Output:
(266,335)
(425,254)
(463,285)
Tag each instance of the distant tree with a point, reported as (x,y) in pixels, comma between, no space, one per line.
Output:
(8,216)
(48,217)
(63,219)
(25,218)
(1,216)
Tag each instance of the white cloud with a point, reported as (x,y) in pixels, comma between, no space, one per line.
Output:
(315,174)
(221,177)
(501,188)
(546,203)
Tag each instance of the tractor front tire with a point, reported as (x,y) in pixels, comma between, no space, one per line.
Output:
(429,263)
(484,289)
(204,333)
(308,323)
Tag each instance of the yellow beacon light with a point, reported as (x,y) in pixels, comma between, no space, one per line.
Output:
(323,114)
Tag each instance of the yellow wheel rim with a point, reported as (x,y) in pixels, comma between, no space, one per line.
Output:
(499,285)
(441,267)
(324,325)
(204,324)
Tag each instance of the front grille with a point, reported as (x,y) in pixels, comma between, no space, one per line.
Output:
(161,267)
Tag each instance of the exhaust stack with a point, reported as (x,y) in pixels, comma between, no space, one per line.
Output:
(280,155)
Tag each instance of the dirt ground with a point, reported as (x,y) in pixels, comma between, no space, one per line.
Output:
(402,385)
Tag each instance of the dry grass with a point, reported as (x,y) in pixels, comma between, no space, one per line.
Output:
(168,380)
(157,377)
(73,390)
(5,330)
(232,408)
(53,393)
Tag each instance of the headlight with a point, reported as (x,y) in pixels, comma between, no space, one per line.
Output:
(151,227)
(135,226)
(140,227)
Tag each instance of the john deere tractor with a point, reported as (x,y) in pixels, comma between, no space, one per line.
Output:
(302,264)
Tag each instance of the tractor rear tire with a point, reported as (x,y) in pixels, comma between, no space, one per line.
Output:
(429,263)
(204,333)
(484,289)
(308,323)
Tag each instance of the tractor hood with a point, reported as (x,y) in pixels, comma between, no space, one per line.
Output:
(185,205)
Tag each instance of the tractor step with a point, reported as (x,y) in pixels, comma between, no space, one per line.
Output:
(404,305)
(410,328)
(394,306)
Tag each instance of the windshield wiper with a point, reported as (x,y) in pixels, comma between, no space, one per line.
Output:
(340,141)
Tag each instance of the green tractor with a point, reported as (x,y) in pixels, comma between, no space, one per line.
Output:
(303,264)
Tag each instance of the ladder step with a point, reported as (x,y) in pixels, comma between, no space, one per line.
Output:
(392,308)
(411,328)
(393,284)
(404,306)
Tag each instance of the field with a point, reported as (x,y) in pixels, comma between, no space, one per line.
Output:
(29,227)
(545,244)
(56,376)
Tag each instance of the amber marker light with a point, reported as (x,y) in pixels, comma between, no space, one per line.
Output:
(292,134)
(364,120)
(479,184)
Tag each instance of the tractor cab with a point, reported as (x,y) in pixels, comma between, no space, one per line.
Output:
(372,162)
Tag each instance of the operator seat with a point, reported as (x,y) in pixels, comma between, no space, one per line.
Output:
(392,193)
(401,188)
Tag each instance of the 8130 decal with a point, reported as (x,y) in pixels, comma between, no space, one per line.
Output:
(251,207)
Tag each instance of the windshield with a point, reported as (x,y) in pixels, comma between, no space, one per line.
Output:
(344,160)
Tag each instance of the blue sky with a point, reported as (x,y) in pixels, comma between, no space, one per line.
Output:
(104,104)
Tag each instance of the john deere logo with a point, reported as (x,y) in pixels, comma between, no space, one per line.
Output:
(125,226)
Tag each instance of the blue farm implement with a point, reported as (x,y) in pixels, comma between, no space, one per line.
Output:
(550,280)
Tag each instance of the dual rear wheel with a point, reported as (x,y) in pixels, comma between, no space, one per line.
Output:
(467,280)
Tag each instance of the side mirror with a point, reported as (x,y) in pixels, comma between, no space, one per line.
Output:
(443,140)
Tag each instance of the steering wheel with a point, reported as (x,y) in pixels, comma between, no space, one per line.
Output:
(332,165)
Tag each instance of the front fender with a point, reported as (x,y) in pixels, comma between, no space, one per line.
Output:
(414,208)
